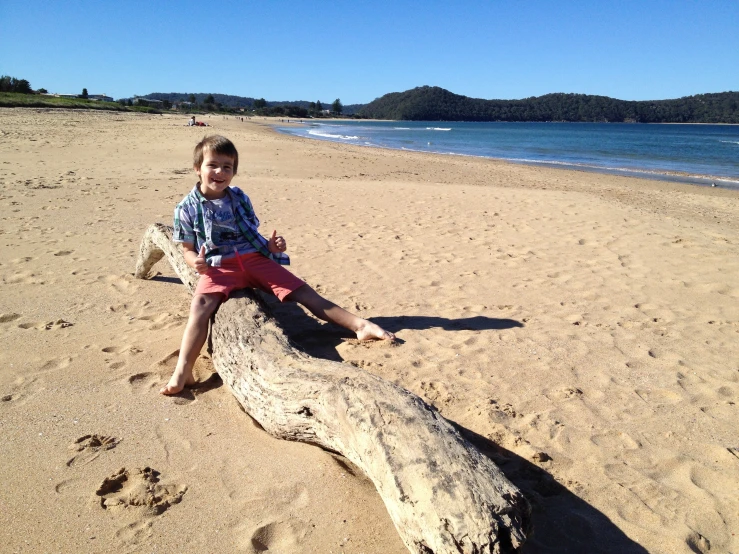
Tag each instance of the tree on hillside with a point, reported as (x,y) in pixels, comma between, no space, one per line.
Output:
(336,107)
(192,99)
(11,84)
(209,99)
(84,94)
(42,91)
(260,103)
(319,106)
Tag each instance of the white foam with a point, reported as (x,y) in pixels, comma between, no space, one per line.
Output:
(438,128)
(731,141)
(329,135)
(630,170)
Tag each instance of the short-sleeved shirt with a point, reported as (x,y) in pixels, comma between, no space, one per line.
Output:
(200,221)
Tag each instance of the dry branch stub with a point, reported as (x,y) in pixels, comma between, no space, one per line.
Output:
(442,494)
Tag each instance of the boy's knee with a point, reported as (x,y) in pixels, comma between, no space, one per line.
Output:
(301,293)
(205,305)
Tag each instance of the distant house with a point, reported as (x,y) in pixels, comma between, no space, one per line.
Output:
(98,97)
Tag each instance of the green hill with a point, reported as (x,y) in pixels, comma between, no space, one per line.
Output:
(437,104)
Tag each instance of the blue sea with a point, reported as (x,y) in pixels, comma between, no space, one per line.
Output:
(700,154)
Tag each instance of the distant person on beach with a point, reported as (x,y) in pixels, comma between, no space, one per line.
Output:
(217,227)
(191,123)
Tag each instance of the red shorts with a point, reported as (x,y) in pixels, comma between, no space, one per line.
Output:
(249,270)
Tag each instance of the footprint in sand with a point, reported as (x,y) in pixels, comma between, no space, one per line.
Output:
(437,393)
(122,284)
(279,530)
(65,485)
(24,389)
(55,364)
(615,440)
(161,371)
(5,318)
(163,321)
(278,536)
(89,447)
(49,325)
(143,312)
(566,393)
(146,379)
(24,277)
(129,349)
(22,260)
(138,489)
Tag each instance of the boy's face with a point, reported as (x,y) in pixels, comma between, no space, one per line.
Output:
(215,174)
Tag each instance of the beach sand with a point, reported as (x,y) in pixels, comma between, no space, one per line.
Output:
(581,329)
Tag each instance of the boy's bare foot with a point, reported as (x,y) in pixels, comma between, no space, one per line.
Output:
(371,331)
(176,383)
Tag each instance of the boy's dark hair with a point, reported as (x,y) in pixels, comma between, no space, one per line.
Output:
(217,144)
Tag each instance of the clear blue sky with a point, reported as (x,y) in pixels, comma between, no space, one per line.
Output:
(360,50)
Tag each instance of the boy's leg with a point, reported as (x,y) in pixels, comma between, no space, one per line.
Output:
(196,331)
(328,311)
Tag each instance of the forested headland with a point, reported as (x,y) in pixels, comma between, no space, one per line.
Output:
(437,104)
(419,104)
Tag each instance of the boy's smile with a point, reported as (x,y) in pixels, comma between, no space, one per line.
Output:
(215,174)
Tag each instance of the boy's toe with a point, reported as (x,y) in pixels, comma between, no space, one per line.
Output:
(169,390)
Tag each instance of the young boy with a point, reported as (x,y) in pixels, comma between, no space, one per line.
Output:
(217,228)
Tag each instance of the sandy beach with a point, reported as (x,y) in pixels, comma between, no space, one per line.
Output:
(581,329)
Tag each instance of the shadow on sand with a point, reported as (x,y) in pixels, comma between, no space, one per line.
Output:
(321,339)
(562,521)
(166,279)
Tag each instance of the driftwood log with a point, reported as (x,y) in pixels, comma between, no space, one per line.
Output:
(442,494)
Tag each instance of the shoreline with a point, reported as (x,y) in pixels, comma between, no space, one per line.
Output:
(730,183)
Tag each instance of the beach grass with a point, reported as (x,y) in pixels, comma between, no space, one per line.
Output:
(18,100)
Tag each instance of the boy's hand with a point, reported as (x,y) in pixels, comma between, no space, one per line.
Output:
(276,244)
(201,266)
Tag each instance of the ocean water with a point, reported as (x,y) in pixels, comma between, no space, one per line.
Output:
(700,154)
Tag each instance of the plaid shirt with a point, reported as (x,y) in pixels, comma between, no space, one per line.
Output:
(191,225)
